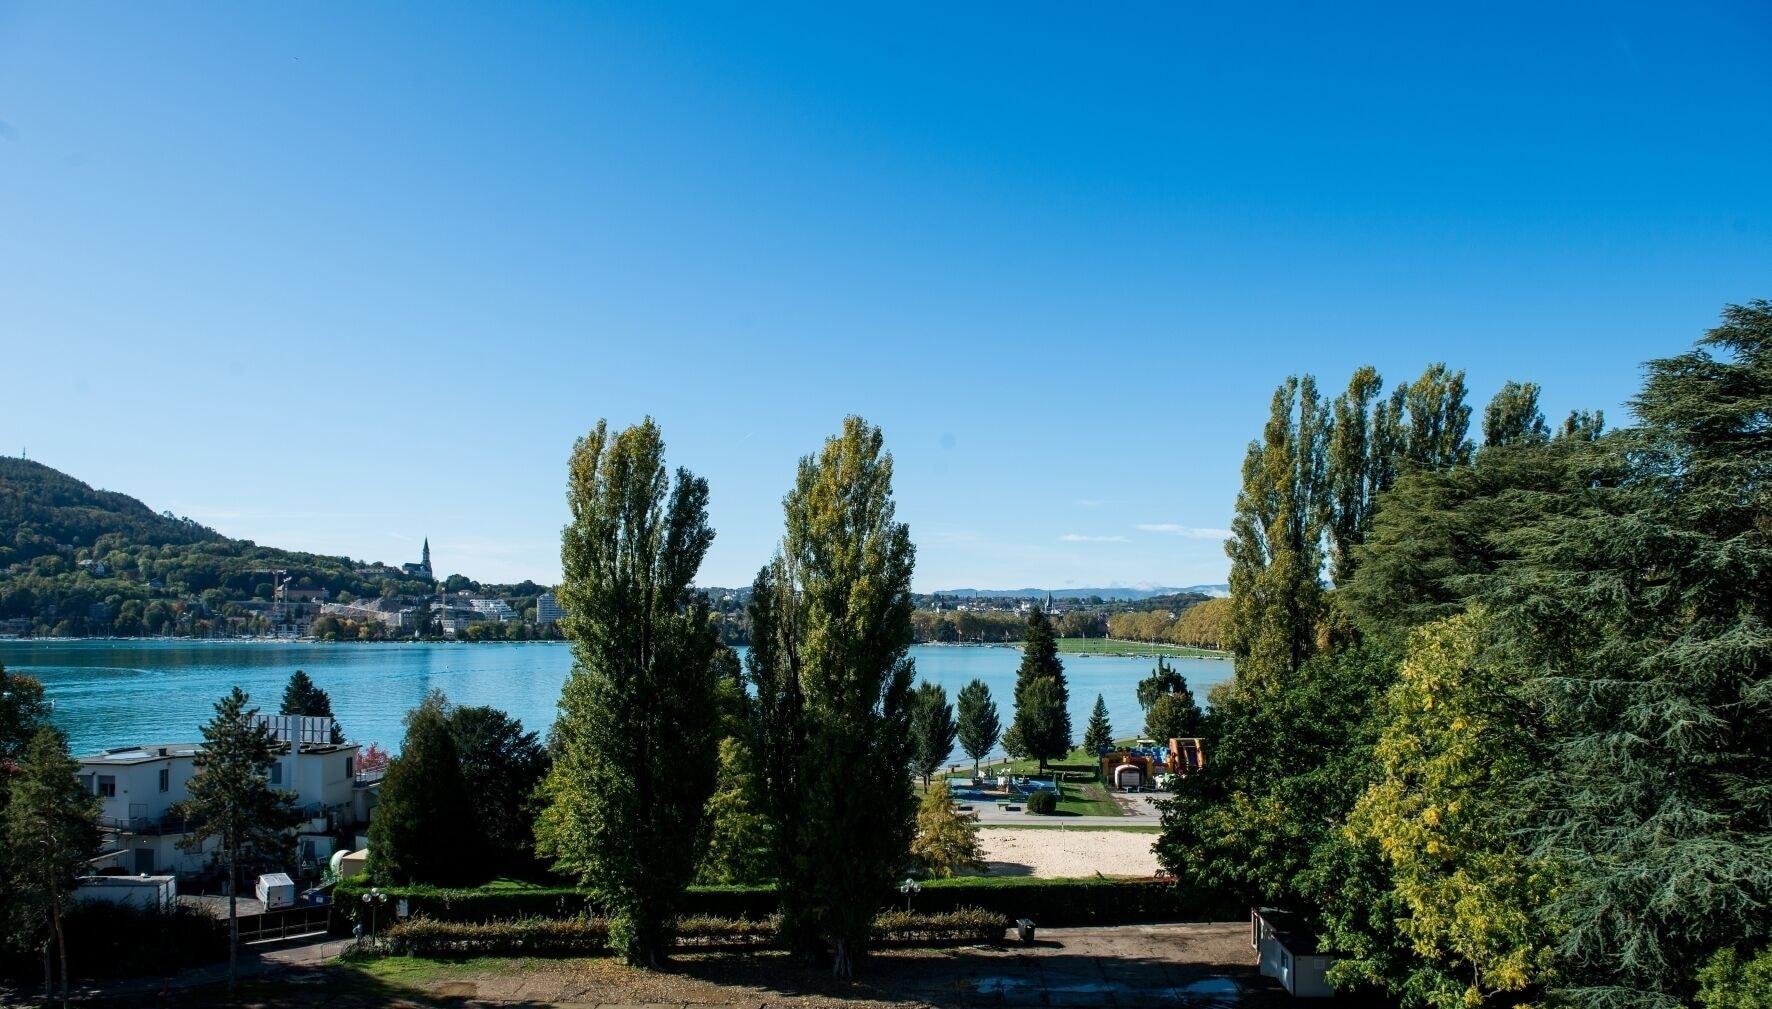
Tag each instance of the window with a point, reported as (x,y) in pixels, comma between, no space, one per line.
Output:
(350,767)
(165,779)
(107,786)
(277,774)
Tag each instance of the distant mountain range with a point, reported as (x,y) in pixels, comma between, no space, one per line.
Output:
(1131,593)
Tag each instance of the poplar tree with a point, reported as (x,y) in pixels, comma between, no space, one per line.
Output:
(831,628)
(50,828)
(637,735)
(1513,417)
(933,728)
(230,801)
(1360,464)
(1098,734)
(980,726)
(1276,544)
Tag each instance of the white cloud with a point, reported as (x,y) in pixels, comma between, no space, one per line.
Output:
(1080,538)
(1187,532)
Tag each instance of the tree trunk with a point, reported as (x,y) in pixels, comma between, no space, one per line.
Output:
(233,923)
(843,963)
(48,973)
(61,948)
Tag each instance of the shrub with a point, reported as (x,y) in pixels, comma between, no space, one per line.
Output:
(1043,803)
(1731,981)
(582,936)
(116,940)
(1093,900)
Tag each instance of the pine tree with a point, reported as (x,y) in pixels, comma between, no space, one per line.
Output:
(638,733)
(947,839)
(980,727)
(501,765)
(1042,727)
(737,837)
(1098,735)
(932,728)
(831,626)
(230,800)
(50,829)
(423,798)
(302,697)
(1162,680)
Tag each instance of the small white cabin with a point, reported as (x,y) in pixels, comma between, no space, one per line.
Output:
(275,890)
(1288,953)
(150,893)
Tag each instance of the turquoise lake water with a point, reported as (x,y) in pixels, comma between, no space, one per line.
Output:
(124,693)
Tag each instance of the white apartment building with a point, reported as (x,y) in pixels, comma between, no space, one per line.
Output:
(138,785)
(494,609)
(548,609)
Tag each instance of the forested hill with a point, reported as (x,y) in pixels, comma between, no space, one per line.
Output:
(74,561)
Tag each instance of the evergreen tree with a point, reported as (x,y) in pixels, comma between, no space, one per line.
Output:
(637,737)
(23,711)
(736,837)
(303,697)
(1174,715)
(980,727)
(932,728)
(230,800)
(1162,680)
(1098,734)
(1512,417)
(947,839)
(1276,544)
(1640,610)
(1042,728)
(423,798)
(831,626)
(501,765)
(50,829)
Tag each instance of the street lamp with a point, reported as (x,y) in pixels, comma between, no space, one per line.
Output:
(374,898)
(908,888)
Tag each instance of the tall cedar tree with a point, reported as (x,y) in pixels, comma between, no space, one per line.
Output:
(229,800)
(50,828)
(1099,733)
(501,765)
(831,628)
(1643,615)
(980,725)
(637,738)
(423,798)
(1042,726)
(1276,544)
(933,729)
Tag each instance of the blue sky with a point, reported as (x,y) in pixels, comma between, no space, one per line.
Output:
(339,277)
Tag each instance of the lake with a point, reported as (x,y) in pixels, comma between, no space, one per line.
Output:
(123,693)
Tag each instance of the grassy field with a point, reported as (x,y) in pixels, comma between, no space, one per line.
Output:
(1115,646)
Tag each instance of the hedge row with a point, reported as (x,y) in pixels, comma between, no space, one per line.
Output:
(588,936)
(1049,902)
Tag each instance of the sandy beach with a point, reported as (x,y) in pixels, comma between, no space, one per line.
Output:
(1054,852)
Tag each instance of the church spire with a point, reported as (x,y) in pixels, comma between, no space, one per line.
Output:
(426,559)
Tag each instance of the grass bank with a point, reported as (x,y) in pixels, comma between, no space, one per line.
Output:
(1117,646)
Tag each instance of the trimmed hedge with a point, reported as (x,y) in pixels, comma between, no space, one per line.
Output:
(590,936)
(1095,900)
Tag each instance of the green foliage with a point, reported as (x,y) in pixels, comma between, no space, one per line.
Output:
(1173,716)
(1042,728)
(933,728)
(979,724)
(1731,981)
(738,837)
(1099,733)
(1639,606)
(423,798)
(1276,544)
(502,767)
(1513,418)
(1043,803)
(302,697)
(946,842)
(48,830)
(229,799)
(637,736)
(831,625)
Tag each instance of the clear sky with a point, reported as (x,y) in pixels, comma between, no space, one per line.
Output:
(337,277)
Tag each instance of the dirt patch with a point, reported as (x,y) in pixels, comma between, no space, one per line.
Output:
(1052,852)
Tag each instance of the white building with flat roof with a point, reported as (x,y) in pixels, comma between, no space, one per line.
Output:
(138,786)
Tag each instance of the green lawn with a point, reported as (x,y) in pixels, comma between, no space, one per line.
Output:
(1115,646)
